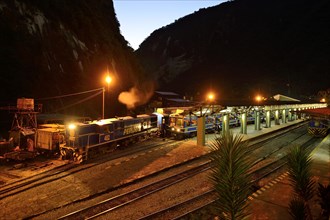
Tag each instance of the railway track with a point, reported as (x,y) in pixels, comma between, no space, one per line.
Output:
(121,200)
(57,173)
(186,208)
(84,199)
(112,204)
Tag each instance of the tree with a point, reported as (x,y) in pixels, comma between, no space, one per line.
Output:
(300,176)
(230,176)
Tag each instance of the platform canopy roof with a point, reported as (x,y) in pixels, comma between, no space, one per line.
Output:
(280,97)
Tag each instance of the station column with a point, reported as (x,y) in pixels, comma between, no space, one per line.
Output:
(268,119)
(257,119)
(290,115)
(243,123)
(284,116)
(277,117)
(225,124)
(201,131)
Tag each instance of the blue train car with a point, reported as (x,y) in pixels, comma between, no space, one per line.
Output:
(84,140)
(233,121)
(183,126)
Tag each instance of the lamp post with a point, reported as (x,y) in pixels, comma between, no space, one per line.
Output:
(103,94)
(108,80)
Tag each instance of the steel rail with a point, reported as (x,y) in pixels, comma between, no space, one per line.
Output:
(129,197)
(264,172)
(57,173)
(83,212)
(176,142)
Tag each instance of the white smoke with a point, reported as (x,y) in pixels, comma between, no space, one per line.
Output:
(137,95)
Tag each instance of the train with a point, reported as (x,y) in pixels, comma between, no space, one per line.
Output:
(85,140)
(80,140)
(318,127)
(185,125)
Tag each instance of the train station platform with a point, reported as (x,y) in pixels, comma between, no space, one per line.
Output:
(272,201)
(252,132)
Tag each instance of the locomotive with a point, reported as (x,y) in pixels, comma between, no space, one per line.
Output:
(85,140)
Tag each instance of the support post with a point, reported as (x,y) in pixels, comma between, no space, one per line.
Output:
(103,94)
(290,115)
(201,131)
(284,116)
(257,120)
(277,117)
(225,124)
(243,123)
(268,119)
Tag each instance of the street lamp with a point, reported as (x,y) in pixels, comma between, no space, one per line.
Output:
(108,80)
(258,98)
(210,97)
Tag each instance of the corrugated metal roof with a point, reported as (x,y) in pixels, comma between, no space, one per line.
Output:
(179,100)
(280,97)
(318,112)
(166,93)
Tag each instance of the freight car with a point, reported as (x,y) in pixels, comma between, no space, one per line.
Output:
(85,140)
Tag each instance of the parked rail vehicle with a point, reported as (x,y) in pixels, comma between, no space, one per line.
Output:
(27,143)
(183,126)
(234,121)
(85,140)
(318,127)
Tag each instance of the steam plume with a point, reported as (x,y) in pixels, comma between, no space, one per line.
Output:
(137,95)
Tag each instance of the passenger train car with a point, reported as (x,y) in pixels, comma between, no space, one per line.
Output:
(183,126)
(233,121)
(84,140)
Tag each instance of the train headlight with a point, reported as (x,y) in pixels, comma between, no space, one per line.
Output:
(178,130)
(173,129)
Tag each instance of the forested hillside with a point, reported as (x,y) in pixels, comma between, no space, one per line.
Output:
(54,48)
(242,47)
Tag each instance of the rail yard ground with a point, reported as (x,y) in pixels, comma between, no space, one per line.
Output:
(108,175)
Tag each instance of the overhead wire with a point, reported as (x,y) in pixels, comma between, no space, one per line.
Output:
(78,102)
(72,94)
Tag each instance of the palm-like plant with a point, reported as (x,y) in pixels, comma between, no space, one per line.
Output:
(299,162)
(297,209)
(230,175)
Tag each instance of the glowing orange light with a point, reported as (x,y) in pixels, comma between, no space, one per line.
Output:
(72,126)
(108,79)
(323,100)
(210,96)
(258,98)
